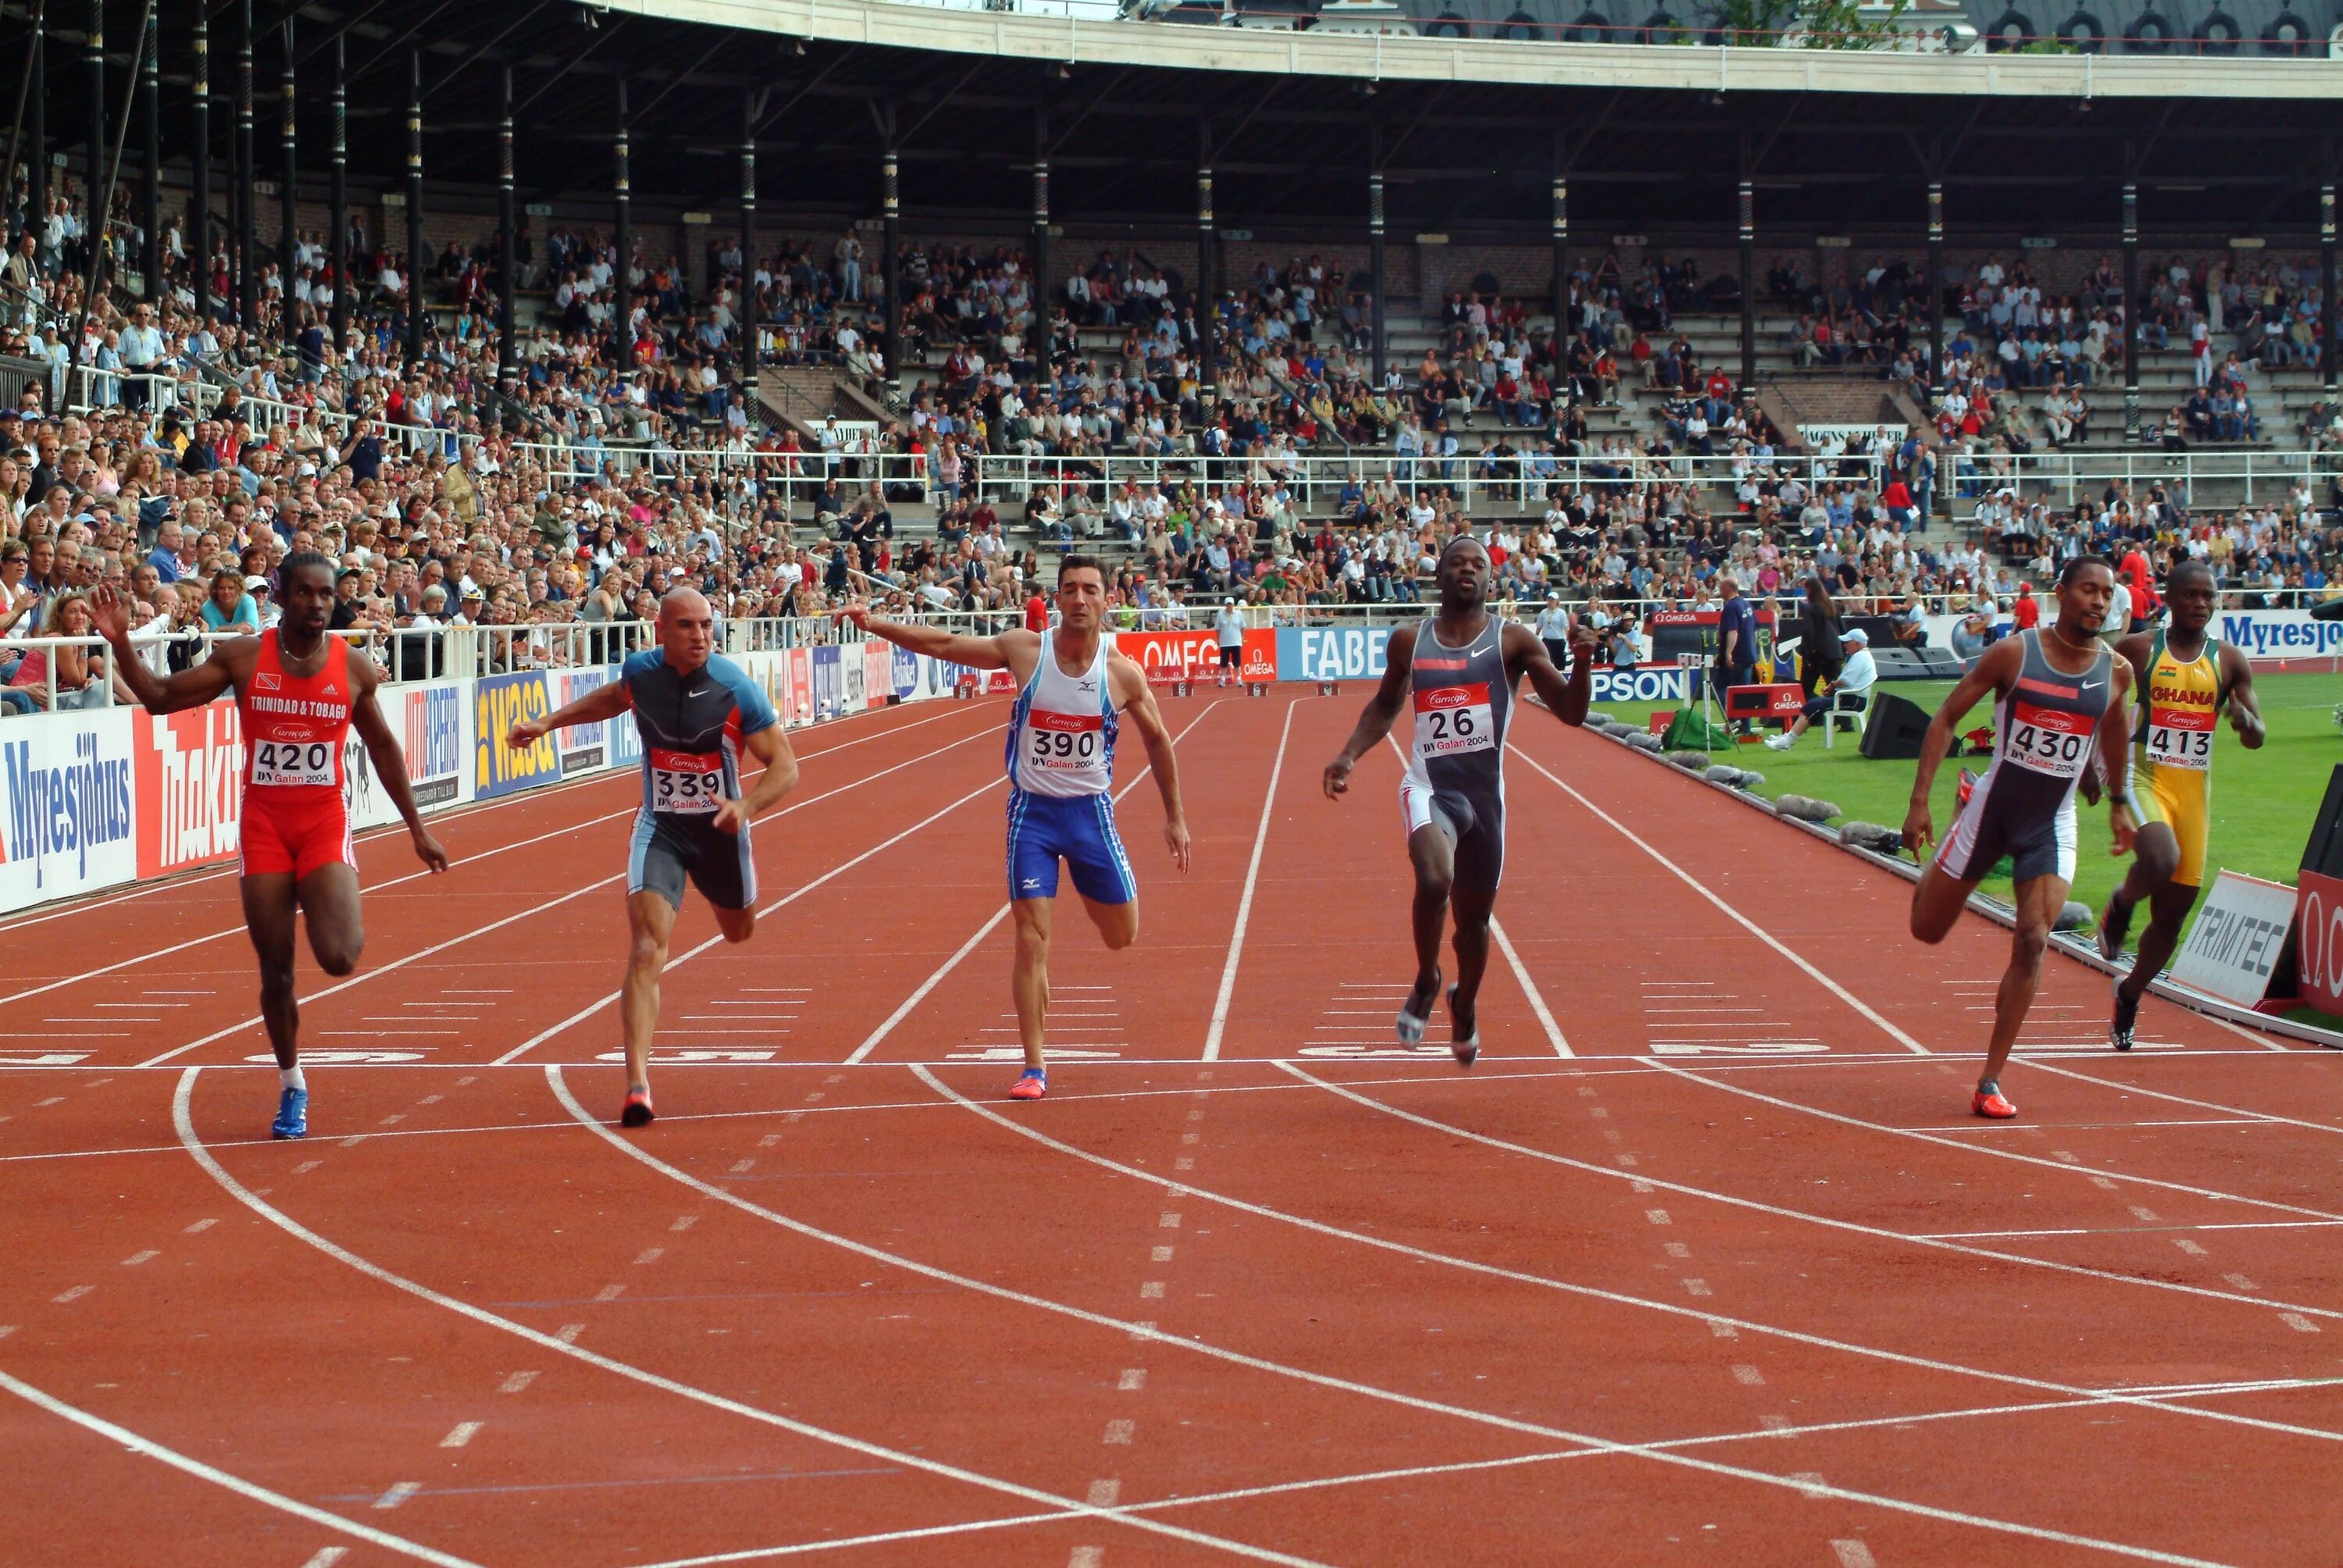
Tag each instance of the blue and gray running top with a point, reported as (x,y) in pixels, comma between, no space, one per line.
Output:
(692,727)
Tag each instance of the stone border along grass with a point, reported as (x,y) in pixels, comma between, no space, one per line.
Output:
(2082,951)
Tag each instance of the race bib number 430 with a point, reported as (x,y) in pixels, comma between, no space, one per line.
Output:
(2180,738)
(2049,739)
(1067,741)
(293,762)
(1450,720)
(686,783)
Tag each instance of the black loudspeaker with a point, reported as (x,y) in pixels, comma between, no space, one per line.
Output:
(2324,853)
(1895,729)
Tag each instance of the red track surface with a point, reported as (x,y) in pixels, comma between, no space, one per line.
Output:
(1734,1282)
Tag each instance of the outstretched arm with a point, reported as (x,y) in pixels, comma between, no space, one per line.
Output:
(1997,667)
(1139,707)
(192,687)
(2115,754)
(1377,717)
(1526,654)
(976,652)
(607,700)
(2244,708)
(389,762)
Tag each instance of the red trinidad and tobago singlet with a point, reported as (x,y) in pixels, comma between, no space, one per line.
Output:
(296,818)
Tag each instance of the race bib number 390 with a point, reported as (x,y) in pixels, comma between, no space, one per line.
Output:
(1067,741)
(1450,720)
(2180,738)
(293,762)
(2049,739)
(686,783)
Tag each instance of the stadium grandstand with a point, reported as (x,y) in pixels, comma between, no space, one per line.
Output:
(1759,349)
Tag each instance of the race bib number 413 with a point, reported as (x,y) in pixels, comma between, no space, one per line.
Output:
(2181,738)
(2049,739)
(687,783)
(292,762)
(1450,720)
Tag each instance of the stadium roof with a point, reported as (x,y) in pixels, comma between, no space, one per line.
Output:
(1653,139)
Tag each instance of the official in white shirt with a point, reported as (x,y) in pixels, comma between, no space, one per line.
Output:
(1228,626)
(1856,676)
(1554,630)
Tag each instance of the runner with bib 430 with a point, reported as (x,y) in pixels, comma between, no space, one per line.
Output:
(2058,696)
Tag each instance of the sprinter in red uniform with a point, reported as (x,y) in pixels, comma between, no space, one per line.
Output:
(297,692)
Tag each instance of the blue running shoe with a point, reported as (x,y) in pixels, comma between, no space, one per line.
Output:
(292,1114)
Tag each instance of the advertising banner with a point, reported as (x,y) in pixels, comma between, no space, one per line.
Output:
(1258,662)
(2279,636)
(190,786)
(828,686)
(1165,654)
(903,673)
(2233,948)
(67,787)
(499,702)
(582,748)
(800,663)
(878,673)
(1332,652)
(2319,950)
(1672,684)
(623,741)
(429,723)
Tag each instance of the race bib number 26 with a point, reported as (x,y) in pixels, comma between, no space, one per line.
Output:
(1450,720)
(292,762)
(2049,739)
(686,783)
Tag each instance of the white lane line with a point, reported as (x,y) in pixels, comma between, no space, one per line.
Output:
(1724,1326)
(464,1434)
(2095,1173)
(1852,1553)
(582,1014)
(327,1557)
(928,986)
(1529,987)
(182,1120)
(149,1449)
(401,963)
(398,1493)
(1244,903)
(1744,922)
(2184,1100)
(1752,1205)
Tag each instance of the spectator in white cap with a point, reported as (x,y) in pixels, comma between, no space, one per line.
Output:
(1856,676)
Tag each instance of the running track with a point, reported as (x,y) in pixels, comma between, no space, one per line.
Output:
(1706,1261)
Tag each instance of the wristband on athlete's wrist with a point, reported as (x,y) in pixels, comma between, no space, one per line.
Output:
(2117,800)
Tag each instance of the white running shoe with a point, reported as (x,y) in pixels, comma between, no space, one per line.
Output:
(1781,742)
(1411,1025)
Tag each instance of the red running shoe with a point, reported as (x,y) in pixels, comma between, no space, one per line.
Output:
(1032,1084)
(637,1112)
(1988,1102)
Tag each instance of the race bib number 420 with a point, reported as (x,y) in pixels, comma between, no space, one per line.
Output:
(2180,738)
(687,783)
(1069,742)
(293,762)
(1450,720)
(2049,739)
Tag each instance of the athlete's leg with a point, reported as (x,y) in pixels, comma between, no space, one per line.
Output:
(738,925)
(2039,900)
(1433,854)
(650,921)
(328,897)
(1029,976)
(2156,857)
(1118,924)
(269,906)
(1938,902)
(1473,907)
(2167,911)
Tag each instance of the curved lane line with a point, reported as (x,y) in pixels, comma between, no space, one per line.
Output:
(182,1121)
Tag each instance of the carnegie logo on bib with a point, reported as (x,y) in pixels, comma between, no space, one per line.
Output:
(2049,739)
(2181,737)
(687,783)
(1453,718)
(294,763)
(1064,741)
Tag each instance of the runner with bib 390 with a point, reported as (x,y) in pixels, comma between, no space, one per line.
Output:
(1074,690)
(2184,680)
(2059,693)
(1461,666)
(299,692)
(698,713)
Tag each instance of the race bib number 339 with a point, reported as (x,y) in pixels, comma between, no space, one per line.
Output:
(2049,739)
(1450,720)
(293,762)
(2180,738)
(687,783)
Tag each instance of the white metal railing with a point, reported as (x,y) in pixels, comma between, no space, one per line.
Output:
(2259,474)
